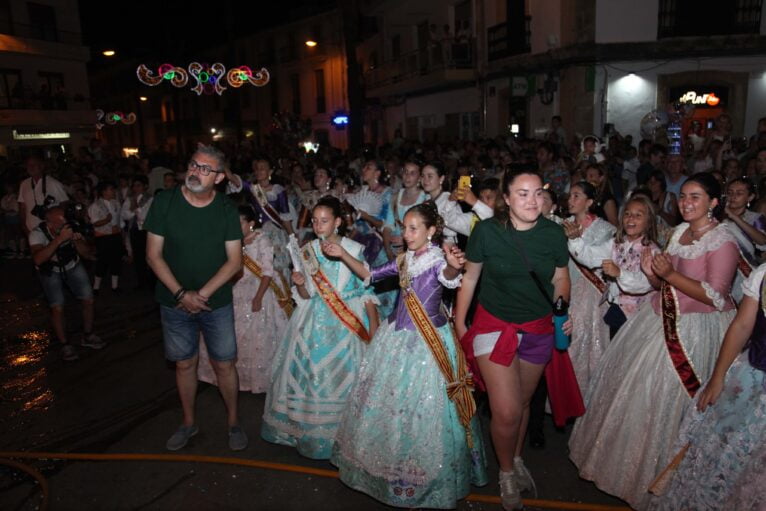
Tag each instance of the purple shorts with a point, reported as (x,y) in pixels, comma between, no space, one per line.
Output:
(532,348)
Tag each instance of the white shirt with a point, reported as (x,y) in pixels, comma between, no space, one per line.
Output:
(99,210)
(455,221)
(144,202)
(31,196)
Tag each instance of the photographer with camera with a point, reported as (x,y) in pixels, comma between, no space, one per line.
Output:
(105,215)
(56,249)
(37,193)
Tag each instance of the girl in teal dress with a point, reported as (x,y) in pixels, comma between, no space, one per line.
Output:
(317,361)
(409,436)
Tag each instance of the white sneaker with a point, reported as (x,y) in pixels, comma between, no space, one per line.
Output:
(524,480)
(510,497)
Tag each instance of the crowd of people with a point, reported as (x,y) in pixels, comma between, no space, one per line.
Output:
(368,294)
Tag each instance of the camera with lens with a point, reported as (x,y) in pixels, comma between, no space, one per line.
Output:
(40,209)
(76,218)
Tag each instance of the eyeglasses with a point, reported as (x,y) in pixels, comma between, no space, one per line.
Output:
(205,170)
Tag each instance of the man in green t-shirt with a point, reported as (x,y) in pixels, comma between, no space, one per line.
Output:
(194,247)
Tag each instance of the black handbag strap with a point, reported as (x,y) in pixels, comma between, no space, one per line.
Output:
(532,273)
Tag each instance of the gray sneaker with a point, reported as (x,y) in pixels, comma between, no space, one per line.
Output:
(92,341)
(237,438)
(69,353)
(181,437)
(510,497)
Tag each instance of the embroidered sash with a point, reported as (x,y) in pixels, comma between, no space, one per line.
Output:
(592,277)
(459,386)
(743,266)
(330,295)
(263,202)
(673,342)
(283,296)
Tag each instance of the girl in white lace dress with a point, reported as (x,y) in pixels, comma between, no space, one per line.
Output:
(619,259)
(260,318)
(653,367)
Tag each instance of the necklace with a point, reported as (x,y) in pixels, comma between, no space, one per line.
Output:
(695,233)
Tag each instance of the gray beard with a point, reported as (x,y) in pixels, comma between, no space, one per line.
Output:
(195,186)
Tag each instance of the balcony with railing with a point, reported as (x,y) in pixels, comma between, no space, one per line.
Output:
(435,65)
(40,32)
(508,39)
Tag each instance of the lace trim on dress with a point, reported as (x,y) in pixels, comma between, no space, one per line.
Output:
(710,241)
(422,263)
(719,302)
(449,284)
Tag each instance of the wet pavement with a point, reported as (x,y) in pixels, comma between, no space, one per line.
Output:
(122,400)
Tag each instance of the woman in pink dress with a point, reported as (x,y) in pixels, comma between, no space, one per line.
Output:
(260,314)
(652,369)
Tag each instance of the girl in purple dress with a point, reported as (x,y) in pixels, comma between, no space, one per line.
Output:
(409,436)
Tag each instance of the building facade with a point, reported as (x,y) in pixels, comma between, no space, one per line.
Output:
(599,64)
(44,92)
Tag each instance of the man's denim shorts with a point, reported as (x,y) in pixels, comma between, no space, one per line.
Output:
(181,331)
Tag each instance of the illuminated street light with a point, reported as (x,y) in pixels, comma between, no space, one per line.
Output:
(108,53)
(310,43)
(143,98)
(212,130)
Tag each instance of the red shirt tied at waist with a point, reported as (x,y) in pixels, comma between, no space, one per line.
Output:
(563,390)
(507,343)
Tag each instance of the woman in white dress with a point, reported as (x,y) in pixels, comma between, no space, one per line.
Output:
(590,334)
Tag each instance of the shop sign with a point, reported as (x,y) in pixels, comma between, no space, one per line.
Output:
(694,98)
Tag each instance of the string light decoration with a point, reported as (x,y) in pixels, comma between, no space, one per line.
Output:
(209,78)
(113,118)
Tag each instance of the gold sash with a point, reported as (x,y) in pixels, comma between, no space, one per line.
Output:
(458,387)
(330,295)
(283,296)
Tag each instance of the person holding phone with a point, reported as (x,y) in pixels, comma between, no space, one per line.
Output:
(455,220)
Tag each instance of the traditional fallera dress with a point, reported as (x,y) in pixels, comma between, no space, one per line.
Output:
(651,371)
(747,248)
(631,289)
(258,333)
(590,334)
(374,254)
(407,437)
(272,207)
(317,360)
(725,464)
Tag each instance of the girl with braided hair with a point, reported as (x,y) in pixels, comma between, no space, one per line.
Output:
(409,436)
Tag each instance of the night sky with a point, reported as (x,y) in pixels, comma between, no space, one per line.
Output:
(167,29)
